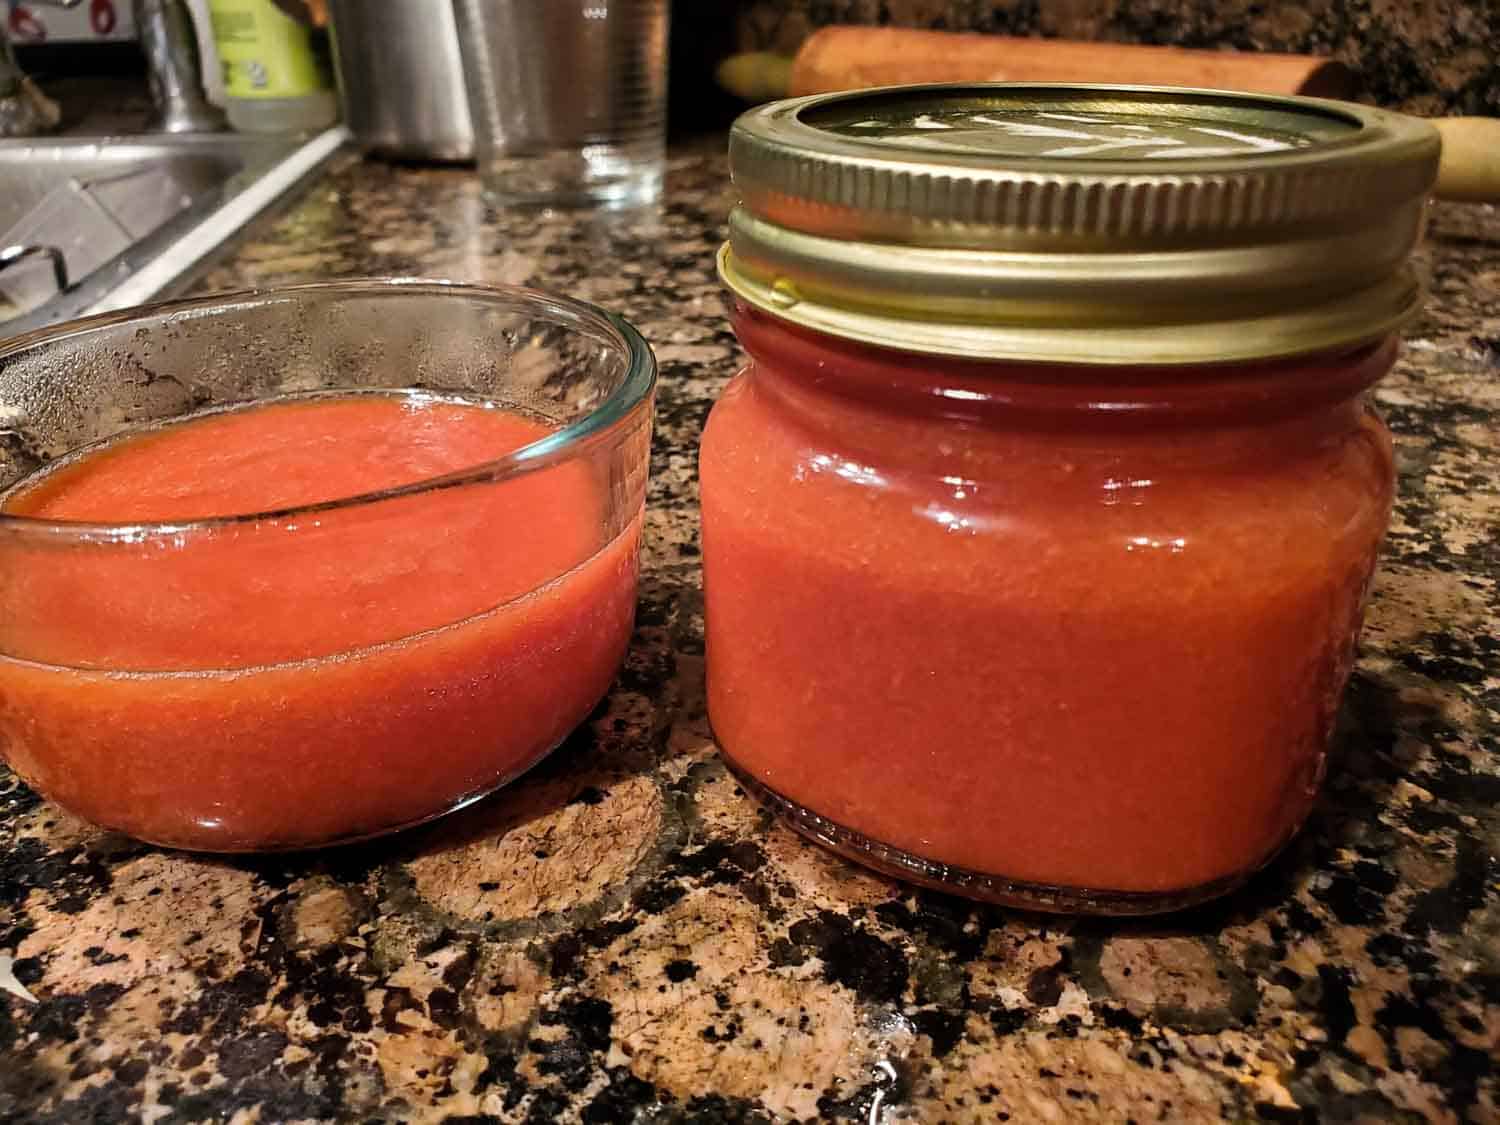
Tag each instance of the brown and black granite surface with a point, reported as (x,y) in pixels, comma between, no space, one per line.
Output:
(1423,56)
(624,936)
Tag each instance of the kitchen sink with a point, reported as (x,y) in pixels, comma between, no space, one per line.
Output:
(89,224)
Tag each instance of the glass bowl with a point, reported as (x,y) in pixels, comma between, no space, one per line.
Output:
(350,665)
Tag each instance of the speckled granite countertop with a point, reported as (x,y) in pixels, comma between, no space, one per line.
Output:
(625,936)
(1430,58)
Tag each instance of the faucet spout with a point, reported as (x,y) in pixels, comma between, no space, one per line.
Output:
(174,69)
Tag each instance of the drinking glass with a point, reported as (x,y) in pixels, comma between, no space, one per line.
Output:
(568,98)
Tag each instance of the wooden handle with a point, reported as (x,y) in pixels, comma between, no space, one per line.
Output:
(1470,168)
(756,76)
(848,58)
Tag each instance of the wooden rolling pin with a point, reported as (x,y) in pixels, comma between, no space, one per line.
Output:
(850,58)
(1469,169)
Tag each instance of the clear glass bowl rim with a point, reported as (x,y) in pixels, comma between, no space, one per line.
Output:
(558,446)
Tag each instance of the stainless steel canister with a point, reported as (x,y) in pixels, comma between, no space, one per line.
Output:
(401,78)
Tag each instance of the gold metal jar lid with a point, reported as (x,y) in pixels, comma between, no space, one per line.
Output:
(1080,223)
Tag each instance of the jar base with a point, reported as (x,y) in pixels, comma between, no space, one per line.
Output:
(903,865)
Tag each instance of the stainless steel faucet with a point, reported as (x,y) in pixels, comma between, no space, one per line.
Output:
(173,70)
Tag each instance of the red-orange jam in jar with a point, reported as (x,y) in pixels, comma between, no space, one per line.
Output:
(1037,530)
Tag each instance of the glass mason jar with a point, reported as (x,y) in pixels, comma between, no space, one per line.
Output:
(1038,529)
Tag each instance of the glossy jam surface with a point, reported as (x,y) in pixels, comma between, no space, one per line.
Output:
(1057,627)
(324,675)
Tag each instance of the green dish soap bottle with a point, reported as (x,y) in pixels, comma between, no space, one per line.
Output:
(276,73)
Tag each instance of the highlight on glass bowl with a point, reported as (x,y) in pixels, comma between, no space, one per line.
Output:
(286,568)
